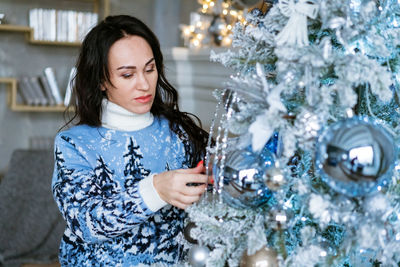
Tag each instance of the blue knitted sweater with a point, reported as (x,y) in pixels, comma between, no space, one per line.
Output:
(96,186)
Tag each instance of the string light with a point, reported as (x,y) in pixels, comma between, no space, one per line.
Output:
(210,26)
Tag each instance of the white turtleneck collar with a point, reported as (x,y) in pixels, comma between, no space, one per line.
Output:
(118,118)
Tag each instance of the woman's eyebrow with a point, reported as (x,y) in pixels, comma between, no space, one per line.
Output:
(134,67)
(148,62)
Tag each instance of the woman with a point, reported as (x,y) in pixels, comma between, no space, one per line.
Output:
(124,173)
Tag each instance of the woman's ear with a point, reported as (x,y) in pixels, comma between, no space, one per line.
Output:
(102,87)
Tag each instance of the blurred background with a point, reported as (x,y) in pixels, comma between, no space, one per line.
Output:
(187,30)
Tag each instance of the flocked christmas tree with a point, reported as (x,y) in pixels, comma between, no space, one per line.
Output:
(305,161)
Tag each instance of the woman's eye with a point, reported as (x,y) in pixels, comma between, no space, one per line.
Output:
(150,70)
(127,75)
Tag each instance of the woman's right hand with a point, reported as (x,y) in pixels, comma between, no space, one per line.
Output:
(173,188)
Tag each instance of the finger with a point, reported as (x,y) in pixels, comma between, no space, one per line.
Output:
(194,190)
(198,179)
(199,169)
(184,202)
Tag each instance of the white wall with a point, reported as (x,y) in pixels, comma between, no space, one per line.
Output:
(195,78)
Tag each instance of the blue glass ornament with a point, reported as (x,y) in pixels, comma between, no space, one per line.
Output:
(273,144)
(244,178)
(355,156)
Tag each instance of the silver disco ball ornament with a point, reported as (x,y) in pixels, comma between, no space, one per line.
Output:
(241,180)
(355,156)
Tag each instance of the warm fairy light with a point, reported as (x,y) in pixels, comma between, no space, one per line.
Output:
(196,42)
(227,41)
(220,15)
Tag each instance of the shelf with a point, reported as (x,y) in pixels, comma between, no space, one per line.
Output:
(42,42)
(29,31)
(15,28)
(12,99)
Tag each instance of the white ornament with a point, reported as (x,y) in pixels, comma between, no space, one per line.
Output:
(261,131)
(295,31)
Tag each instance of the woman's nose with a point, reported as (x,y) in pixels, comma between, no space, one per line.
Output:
(142,83)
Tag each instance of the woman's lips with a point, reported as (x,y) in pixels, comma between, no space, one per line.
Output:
(143,99)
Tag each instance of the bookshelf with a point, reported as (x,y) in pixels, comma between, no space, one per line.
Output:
(11,85)
(30,32)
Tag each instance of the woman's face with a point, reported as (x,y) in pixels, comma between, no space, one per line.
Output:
(133,74)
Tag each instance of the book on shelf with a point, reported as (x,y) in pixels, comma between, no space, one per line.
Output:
(47,90)
(37,89)
(24,94)
(33,22)
(27,93)
(53,25)
(61,32)
(72,26)
(70,85)
(19,98)
(60,25)
(55,89)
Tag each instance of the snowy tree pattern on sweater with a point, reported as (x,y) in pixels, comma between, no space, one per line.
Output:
(133,166)
(95,185)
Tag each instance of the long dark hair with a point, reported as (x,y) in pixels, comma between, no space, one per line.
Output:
(92,72)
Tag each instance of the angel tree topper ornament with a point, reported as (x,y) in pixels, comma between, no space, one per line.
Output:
(295,31)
